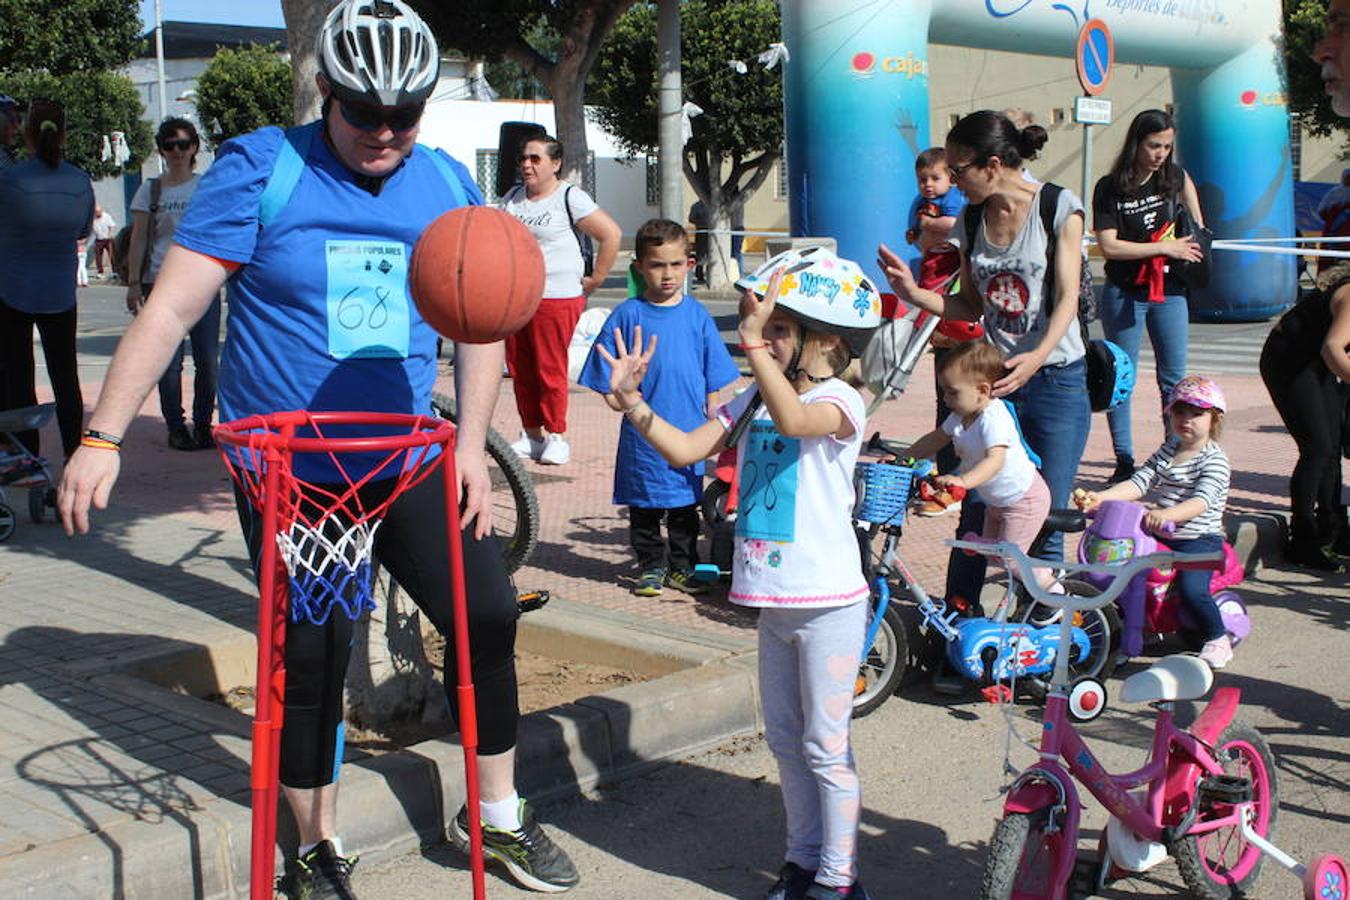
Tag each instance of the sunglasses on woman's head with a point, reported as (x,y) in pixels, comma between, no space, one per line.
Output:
(176,144)
(370,118)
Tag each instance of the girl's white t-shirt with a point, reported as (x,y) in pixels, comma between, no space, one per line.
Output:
(993,427)
(795,544)
(173,202)
(547,220)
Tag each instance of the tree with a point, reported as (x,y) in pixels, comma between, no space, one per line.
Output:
(244,89)
(511,29)
(304,18)
(97,104)
(1305,22)
(739,135)
(67,36)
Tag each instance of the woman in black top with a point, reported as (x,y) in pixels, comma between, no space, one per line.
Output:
(1135,210)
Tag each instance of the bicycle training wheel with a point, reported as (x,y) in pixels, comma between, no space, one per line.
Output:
(881,671)
(515,511)
(1221,864)
(1023,857)
(1102,627)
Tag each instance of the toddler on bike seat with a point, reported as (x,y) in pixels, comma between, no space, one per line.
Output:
(1188,478)
(989,444)
(797,435)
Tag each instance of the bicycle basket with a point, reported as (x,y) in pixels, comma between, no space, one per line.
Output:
(883,491)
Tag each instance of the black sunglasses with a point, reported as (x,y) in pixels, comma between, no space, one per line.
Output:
(530,157)
(370,118)
(177,144)
(957,171)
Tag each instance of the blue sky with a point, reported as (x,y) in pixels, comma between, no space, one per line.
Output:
(235,12)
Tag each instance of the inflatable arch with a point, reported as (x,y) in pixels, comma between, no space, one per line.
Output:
(857,114)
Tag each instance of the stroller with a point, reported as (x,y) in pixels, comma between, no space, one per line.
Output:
(20,468)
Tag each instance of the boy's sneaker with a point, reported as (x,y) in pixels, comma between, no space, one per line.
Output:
(556,451)
(533,860)
(1218,652)
(649,583)
(528,447)
(824,892)
(685,580)
(318,875)
(792,884)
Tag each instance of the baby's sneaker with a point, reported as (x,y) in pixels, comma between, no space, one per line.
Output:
(825,892)
(1218,652)
(528,447)
(556,451)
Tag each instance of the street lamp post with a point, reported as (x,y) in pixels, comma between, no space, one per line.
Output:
(159,65)
(670,102)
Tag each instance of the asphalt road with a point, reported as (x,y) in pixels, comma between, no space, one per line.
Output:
(711,826)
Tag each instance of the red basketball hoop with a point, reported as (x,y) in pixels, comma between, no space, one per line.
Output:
(318,538)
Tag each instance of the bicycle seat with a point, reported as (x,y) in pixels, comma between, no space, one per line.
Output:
(1175,677)
(1069,521)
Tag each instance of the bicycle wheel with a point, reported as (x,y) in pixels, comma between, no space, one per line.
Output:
(1102,627)
(515,512)
(1023,857)
(1221,864)
(884,667)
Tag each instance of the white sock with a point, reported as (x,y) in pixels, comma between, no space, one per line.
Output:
(335,841)
(504,814)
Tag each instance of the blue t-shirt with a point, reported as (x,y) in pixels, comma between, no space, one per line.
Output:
(321,317)
(691,362)
(949,204)
(45,212)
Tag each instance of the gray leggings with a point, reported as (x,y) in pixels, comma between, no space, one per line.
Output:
(808,661)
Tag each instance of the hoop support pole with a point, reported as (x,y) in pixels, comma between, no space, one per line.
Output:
(468,708)
(262,778)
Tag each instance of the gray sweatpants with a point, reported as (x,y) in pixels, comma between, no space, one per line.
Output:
(808,662)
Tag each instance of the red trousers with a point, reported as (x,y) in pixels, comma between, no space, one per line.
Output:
(536,357)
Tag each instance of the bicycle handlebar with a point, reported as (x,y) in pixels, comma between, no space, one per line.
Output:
(1121,573)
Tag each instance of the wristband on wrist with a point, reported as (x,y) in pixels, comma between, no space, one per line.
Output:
(97,444)
(103,436)
(754,346)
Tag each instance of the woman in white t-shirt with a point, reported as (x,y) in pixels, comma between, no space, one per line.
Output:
(155,212)
(557,214)
(986,438)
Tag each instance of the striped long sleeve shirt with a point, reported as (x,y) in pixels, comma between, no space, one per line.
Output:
(1204,475)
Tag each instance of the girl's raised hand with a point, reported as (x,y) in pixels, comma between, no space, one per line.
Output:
(755,312)
(626,369)
(897,272)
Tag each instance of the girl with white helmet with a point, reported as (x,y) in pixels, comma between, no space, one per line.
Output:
(1188,477)
(798,432)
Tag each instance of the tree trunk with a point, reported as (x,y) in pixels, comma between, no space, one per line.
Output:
(304,19)
(721,270)
(569,112)
(389,677)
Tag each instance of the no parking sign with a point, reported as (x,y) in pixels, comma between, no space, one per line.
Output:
(1094,56)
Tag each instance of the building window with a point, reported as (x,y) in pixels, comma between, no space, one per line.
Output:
(780,181)
(952,119)
(1057,116)
(653,180)
(487,174)
(1171,110)
(1296,145)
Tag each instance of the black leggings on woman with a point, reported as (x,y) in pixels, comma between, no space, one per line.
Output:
(18,385)
(1312,404)
(411,543)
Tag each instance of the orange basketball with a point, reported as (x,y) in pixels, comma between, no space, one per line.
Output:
(477,274)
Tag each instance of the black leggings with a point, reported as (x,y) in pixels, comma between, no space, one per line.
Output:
(18,387)
(411,544)
(1313,406)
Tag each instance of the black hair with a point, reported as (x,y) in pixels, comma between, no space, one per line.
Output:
(45,128)
(933,156)
(1150,121)
(552,146)
(655,232)
(170,127)
(989,134)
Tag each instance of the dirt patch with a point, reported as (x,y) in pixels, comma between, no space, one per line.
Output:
(543,682)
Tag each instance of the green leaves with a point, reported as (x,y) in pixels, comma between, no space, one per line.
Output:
(242,90)
(97,104)
(1304,23)
(68,36)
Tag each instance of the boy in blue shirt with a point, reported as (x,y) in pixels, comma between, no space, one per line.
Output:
(682,386)
(932,216)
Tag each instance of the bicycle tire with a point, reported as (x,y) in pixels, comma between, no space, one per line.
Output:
(713,504)
(517,522)
(886,663)
(1103,629)
(1022,857)
(1204,880)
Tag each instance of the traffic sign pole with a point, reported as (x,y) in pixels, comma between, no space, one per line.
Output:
(1093,58)
(1087,164)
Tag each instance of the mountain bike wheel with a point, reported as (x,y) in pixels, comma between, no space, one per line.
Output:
(1023,857)
(1221,864)
(1102,627)
(884,667)
(515,512)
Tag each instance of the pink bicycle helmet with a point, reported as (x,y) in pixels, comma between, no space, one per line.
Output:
(1200,392)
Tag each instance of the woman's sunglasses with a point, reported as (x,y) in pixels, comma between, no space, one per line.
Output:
(370,118)
(177,144)
(530,158)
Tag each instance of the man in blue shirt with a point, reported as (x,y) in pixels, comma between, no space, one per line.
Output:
(364,191)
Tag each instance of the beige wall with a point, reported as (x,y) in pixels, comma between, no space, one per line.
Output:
(963,79)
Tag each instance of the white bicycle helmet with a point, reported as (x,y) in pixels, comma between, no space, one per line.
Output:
(378,52)
(822,291)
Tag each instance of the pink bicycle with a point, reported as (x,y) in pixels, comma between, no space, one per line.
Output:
(1208,796)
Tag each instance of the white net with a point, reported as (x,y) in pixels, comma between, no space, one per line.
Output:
(329,565)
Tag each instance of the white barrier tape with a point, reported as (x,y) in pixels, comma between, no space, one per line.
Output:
(1247,247)
(1302,239)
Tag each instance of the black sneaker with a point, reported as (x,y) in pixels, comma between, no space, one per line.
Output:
(181,439)
(1124,469)
(201,436)
(1310,556)
(792,884)
(318,875)
(533,860)
(685,580)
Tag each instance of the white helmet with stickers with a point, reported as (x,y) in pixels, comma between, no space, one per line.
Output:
(378,52)
(822,291)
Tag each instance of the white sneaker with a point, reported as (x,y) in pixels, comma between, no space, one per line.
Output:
(528,447)
(1218,652)
(556,451)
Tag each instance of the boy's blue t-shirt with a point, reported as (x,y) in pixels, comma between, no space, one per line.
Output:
(691,361)
(949,204)
(321,317)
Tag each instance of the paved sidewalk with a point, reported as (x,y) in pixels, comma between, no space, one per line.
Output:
(88,749)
